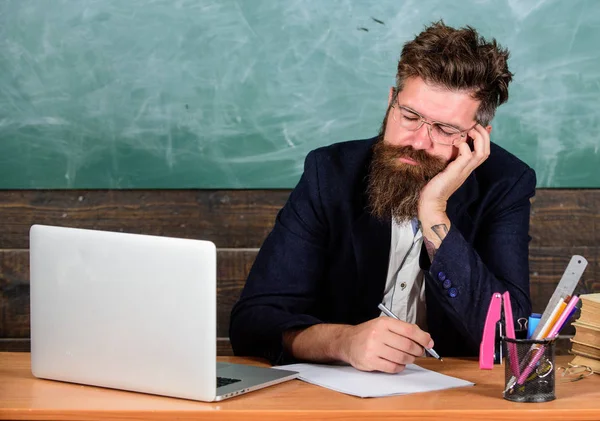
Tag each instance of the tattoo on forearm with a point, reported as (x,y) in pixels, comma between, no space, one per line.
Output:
(430,247)
(440,230)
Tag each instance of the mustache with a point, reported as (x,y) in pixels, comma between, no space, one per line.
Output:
(417,155)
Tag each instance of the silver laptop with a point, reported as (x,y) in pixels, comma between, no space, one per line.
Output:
(132,312)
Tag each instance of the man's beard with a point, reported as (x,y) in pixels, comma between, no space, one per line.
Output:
(394,187)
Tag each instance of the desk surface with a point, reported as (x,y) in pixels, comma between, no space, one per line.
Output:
(24,397)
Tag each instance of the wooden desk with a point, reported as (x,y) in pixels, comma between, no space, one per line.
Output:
(23,397)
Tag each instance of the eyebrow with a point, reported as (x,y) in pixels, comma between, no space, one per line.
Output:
(454,126)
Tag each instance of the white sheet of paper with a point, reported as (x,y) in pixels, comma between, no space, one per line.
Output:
(347,379)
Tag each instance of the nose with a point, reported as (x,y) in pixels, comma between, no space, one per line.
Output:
(421,138)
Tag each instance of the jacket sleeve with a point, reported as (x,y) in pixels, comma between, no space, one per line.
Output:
(463,276)
(282,282)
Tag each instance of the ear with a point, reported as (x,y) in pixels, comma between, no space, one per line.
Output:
(390,96)
(488,129)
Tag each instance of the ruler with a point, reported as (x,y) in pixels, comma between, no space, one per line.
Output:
(565,287)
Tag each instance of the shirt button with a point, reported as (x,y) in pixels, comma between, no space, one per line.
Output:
(453,292)
(442,276)
(447,283)
(403,285)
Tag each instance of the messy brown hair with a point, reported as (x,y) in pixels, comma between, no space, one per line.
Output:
(458,59)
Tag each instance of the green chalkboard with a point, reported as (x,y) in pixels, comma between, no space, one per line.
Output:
(233,94)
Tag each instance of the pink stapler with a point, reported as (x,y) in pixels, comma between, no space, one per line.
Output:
(490,350)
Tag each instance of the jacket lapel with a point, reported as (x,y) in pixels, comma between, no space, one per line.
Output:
(371,240)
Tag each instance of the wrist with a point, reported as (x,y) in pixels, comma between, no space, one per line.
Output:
(431,208)
(339,344)
(430,216)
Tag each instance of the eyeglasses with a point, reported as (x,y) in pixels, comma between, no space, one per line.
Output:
(573,373)
(441,133)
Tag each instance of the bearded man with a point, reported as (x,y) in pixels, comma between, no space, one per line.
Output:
(429,218)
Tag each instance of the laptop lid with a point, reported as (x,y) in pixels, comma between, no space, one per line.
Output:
(126,311)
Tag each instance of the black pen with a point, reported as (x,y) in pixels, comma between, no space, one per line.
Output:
(387,312)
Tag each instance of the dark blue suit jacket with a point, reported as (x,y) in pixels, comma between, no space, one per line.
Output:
(326,259)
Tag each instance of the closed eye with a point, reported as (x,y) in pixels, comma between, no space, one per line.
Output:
(410,118)
(447,131)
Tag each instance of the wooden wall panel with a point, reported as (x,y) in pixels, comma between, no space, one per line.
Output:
(14,294)
(229,218)
(566,218)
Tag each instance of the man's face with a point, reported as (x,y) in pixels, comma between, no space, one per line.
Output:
(456,109)
(404,160)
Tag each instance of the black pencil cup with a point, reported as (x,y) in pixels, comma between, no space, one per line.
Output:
(529,370)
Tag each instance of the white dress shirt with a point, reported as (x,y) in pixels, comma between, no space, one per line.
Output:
(404,292)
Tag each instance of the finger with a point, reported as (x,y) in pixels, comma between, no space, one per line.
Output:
(411,331)
(404,344)
(477,155)
(387,366)
(486,137)
(396,356)
(458,164)
(481,143)
(465,156)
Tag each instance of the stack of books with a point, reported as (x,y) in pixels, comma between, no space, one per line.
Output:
(585,345)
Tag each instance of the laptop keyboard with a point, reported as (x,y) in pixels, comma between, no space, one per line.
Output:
(224,381)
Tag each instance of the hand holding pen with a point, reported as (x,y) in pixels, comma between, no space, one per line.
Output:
(380,344)
(388,313)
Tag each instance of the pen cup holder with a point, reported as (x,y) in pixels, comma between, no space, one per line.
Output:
(529,370)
